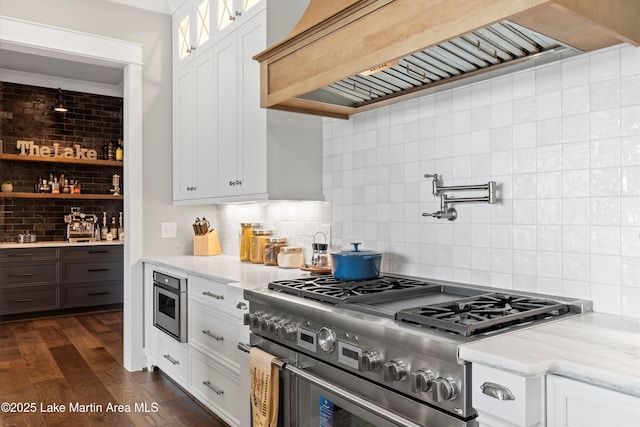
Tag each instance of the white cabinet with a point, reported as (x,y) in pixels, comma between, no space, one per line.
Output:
(574,404)
(194,147)
(219,370)
(249,153)
(503,399)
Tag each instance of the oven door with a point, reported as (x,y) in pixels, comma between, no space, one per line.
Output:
(169,312)
(315,394)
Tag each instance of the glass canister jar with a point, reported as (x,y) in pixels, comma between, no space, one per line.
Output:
(272,249)
(246,231)
(290,257)
(258,240)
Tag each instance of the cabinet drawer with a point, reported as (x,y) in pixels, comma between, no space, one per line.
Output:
(217,388)
(524,409)
(85,296)
(174,359)
(93,252)
(28,254)
(41,273)
(33,298)
(216,334)
(92,271)
(218,296)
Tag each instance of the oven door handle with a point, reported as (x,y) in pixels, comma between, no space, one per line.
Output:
(340,392)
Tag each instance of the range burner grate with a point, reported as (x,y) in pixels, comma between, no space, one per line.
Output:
(481,314)
(330,290)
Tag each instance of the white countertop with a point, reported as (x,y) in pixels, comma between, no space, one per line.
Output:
(227,269)
(14,245)
(595,348)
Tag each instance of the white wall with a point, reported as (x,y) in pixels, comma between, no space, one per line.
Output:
(153,30)
(563,143)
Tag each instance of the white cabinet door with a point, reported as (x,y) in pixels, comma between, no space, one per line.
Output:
(226,117)
(575,404)
(252,120)
(204,101)
(194,145)
(184,145)
(230,14)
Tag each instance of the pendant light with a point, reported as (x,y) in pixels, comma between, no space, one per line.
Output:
(59,103)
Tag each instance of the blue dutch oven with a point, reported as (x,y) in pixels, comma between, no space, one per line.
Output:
(356,264)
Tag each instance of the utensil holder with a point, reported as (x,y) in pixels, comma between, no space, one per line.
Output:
(207,245)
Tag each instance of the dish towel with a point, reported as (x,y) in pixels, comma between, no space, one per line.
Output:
(264,386)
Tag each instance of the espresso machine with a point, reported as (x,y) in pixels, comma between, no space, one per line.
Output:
(80,226)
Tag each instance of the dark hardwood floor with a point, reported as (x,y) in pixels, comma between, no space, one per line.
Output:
(76,362)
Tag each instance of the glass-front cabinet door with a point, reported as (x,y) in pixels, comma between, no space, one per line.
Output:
(193,27)
(231,13)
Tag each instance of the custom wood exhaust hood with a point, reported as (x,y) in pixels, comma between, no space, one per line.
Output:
(350,56)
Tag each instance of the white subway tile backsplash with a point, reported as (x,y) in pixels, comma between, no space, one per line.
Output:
(604,65)
(604,95)
(576,211)
(575,238)
(575,71)
(549,105)
(605,210)
(629,60)
(549,131)
(604,123)
(630,211)
(605,240)
(549,238)
(575,100)
(563,143)
(547,78)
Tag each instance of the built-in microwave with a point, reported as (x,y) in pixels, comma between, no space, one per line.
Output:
(170,305)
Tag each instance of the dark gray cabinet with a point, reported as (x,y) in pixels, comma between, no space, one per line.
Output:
(51,278)
(91,275)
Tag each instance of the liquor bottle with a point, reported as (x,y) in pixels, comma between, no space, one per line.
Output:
(37,188)
(121,229)
(113,230)
(111,151)
(105,150)
(119,151)
(104,231)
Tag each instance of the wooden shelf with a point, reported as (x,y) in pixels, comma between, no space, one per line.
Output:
(19,158)
(18,195)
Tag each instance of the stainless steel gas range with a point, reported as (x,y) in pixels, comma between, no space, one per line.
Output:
(384,351)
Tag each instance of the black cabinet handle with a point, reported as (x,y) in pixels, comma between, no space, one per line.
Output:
(19,255)
(99,252)
(95,294)
(13,301)
(95,270)
(21,275)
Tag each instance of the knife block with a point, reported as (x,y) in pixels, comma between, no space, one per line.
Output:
(207,244)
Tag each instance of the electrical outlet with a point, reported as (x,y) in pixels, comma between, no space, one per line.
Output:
(168,230)
(326,229)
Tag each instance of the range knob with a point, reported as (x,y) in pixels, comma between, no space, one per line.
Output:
(263,323)
(327,339)
(254,319)
(272,325)
(421,380)
(287,331)
(444,389)
(396,370)
(369,361)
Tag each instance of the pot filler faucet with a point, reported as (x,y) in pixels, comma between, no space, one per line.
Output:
(450,213)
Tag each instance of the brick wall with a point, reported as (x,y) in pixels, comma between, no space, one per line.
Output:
(26,113)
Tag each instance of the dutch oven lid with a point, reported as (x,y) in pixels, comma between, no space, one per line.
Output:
(356,252)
